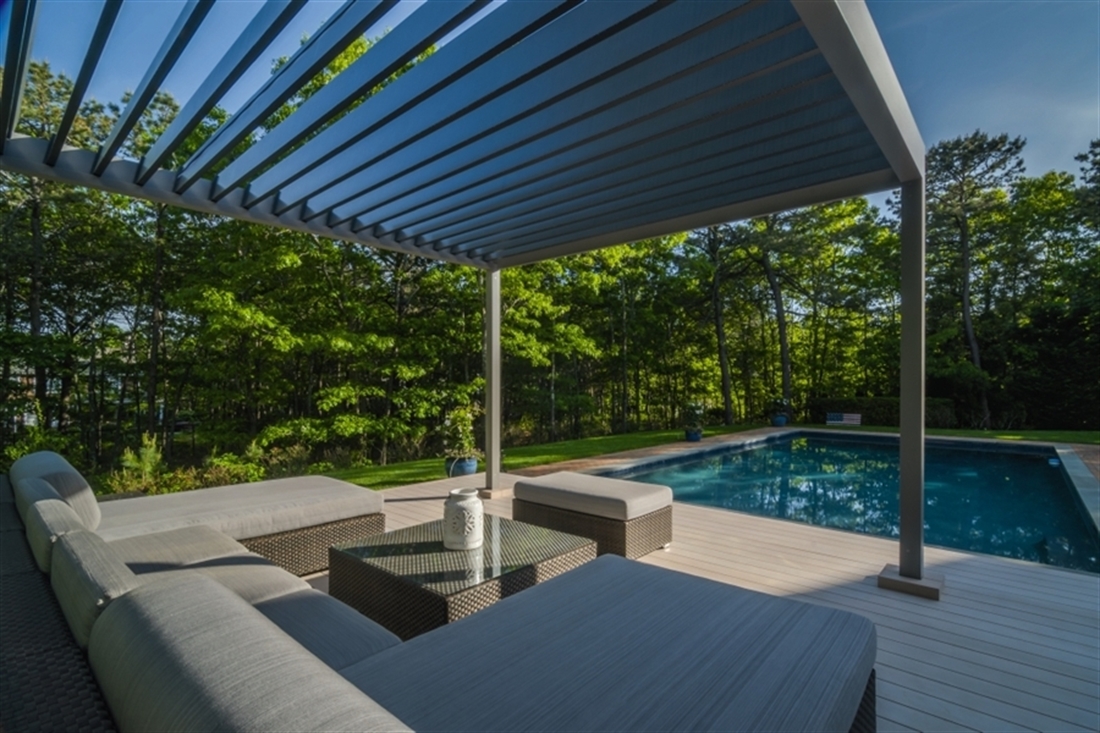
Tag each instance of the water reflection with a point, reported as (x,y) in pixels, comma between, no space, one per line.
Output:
(1010,504)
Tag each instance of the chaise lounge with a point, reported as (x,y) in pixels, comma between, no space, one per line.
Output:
(232,642)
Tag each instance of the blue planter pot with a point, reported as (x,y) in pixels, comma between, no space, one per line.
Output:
(779,420)
(460,466)
(693,436)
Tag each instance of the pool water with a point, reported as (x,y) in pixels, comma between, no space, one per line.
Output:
(991,501)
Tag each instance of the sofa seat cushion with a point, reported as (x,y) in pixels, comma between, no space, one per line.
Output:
(255,579)
(334,632)
(604,497)
(175,548)
(47,521)
(86,577)
(184,654)
(620,645)
(242,511)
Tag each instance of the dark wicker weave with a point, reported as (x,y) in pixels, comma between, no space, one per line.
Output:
(45,681)
(867,716)
(631,538)
(304,551)
(422,586)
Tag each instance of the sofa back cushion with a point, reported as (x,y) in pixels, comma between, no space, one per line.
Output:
(36,465)
(30,490)
(87,576)
(185,654)
(46,522)
(78,494)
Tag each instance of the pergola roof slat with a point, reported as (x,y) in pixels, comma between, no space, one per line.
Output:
(189,20)
(102,32)
(259,34)
(429,23)
(351,20)
(638,122)
(691,161)
(524,111)
(24,14)
(498,31)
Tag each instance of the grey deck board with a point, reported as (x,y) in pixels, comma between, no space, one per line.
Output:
(1011,646)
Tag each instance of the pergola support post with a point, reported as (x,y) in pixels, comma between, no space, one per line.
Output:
(492,385)
(909,576)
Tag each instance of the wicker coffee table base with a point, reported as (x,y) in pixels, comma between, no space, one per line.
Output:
(409,610)
(632,538)
(304,551)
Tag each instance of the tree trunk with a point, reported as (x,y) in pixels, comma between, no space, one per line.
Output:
(968,323)
(780,322)
(156,325)
(723,345)
(36,309)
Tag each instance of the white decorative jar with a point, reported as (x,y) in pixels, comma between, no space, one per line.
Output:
(463,520)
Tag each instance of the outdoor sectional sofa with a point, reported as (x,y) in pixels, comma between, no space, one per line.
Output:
(186,630)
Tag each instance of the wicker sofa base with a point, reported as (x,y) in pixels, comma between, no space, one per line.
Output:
(305,550)
(632,538)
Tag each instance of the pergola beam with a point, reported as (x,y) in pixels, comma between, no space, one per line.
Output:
(188,22)
(261,31)
(102,32)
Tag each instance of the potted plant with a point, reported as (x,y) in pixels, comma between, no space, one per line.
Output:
(459,443)
(780,412)
(693,422)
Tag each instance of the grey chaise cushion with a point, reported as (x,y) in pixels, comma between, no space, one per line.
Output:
(253,578)
(620,645)
(604,497)
(335,633)
(185,654)
(46,522)
(86,577)
(175,548)
(242,511)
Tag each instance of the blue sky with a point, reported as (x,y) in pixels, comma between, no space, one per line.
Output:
(1025,67)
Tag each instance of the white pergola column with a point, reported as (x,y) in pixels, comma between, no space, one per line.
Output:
(908,575)
(492,383)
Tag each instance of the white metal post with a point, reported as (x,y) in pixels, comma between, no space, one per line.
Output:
(492,381)
(909,575)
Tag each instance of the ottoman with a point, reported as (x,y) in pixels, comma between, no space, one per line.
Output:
(625,518)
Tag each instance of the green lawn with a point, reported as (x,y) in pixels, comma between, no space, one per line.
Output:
(430,469)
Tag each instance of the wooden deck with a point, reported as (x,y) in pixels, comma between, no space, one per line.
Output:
(1011,646)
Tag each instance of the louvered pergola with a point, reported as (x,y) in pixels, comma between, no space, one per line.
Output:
(542,128)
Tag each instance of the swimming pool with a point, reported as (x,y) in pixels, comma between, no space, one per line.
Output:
(1011,503)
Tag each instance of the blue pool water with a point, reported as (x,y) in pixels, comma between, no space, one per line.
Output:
(992,501)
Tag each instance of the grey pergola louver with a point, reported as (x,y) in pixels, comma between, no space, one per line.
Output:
(543,128)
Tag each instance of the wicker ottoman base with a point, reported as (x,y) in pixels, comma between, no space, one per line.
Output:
(304,551)
(632,538)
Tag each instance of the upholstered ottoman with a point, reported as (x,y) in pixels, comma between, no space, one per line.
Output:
(625,518)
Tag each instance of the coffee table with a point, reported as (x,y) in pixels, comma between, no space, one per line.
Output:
(408,582)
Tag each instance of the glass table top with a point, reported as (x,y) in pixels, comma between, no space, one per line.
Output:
(417,555)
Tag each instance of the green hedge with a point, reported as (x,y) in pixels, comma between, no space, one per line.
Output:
(884,411)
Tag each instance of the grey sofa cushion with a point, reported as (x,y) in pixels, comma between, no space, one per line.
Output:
(619,645)
(255,579)
(604,497)
(46,522)
(30,490)
(335,633)
(242,511)
(36,465)
(175,548)
(185,654)
(86,577)
(77,493)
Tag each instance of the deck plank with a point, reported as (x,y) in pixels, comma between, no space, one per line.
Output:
(1011,645)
